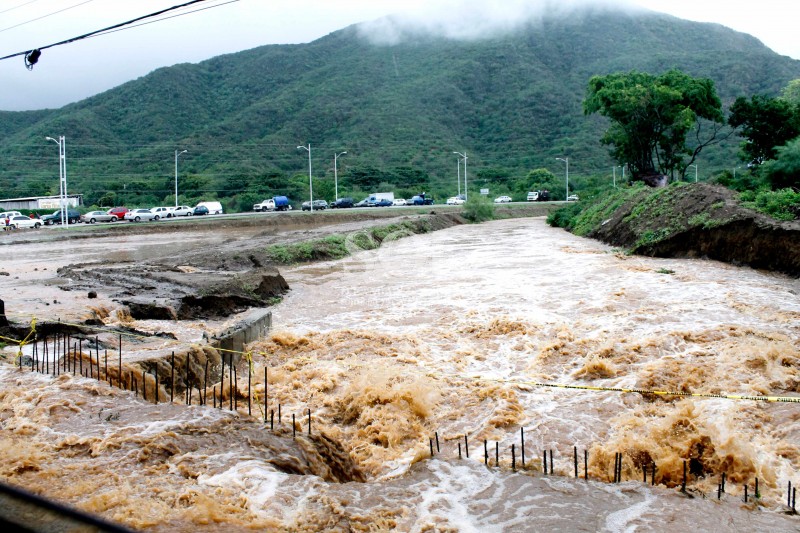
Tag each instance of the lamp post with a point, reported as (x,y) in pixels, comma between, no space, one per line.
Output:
(565,160)
(614,171)
(458,174)
(177,153)
(335,173)
(464,155)
(310,185)
(695,171)
(62,176)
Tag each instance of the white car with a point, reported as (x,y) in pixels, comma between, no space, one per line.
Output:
(502,199)
(181,211)
(572,198)
(399,201)
(162,212)
(137,215)
(455,200)
(21,221)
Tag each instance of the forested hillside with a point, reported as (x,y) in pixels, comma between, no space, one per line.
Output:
(512,102)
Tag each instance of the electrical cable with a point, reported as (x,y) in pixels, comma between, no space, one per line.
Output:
(16,7)
(31,56)
(45,16)
(164,18)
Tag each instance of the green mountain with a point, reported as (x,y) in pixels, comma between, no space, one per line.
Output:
(512,102)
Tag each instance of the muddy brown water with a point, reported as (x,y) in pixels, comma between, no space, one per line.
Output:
(448,333)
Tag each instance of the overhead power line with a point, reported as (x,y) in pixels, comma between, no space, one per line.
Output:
(17,6)
(32,56)
(45,16)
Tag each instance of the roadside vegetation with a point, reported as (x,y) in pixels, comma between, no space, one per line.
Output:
(478,208)
(342,245)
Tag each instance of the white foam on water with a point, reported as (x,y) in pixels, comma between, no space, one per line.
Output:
(619,521)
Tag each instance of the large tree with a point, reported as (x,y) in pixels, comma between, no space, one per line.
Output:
(784,170)
(765,123)
(651,117)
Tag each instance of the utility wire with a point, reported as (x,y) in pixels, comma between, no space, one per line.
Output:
(15,7)
(37,51)
(102,32)
(44,16)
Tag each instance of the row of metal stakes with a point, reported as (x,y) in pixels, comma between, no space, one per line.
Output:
(72,361)
(68,357)
(617,475)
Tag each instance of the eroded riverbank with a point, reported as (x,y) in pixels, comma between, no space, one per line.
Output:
(445,333)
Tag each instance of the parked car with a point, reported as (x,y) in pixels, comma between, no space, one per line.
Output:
(8,214)
(73,216)
(181,211)
(363,203)
(98,216)
(421,200)
(21,221)
(214,208)
(342,203)
(318,205)
(383,202)
(200,210)
(162,212)
(138,215)
(455,200)
(502,199)
(118,212)
(572,198)
(399,202)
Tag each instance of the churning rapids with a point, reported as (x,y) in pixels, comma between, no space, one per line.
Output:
(450,333)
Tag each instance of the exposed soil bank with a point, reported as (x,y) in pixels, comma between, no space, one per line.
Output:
(699,220)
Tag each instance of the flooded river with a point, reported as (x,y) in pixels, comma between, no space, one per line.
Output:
(464,338)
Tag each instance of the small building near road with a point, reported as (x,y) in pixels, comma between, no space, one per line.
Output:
(39,202)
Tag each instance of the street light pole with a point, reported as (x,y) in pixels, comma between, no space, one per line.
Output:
(177,153)
(310,185)
(565,160)
(614,170)
(458,174)
(335,173)
(62,176)
(464,155)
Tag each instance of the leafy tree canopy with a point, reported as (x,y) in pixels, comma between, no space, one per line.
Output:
(651,117)
(765,123)
(791,93)
(784,170)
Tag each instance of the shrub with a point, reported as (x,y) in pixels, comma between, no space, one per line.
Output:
(478,209)
(783,204)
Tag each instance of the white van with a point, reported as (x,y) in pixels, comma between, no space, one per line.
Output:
(214,208)
(9,214)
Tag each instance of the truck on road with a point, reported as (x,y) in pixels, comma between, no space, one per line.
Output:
(276,203)
(376,197)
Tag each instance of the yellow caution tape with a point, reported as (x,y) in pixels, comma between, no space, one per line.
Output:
(249,357)
(770,399)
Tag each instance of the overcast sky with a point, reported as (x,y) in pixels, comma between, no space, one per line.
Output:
(74,71)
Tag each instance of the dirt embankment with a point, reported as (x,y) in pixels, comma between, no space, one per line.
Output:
(219,281)
(701,220)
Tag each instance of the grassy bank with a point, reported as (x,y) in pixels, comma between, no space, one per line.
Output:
(338,246)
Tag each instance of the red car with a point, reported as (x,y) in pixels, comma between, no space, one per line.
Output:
(118,212)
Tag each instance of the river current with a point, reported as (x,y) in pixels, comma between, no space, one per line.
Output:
(446,341)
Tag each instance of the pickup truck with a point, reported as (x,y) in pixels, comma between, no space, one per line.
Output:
(73,217)
(421,200)
(276,203)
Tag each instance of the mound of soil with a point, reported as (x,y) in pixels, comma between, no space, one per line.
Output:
(702,220)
